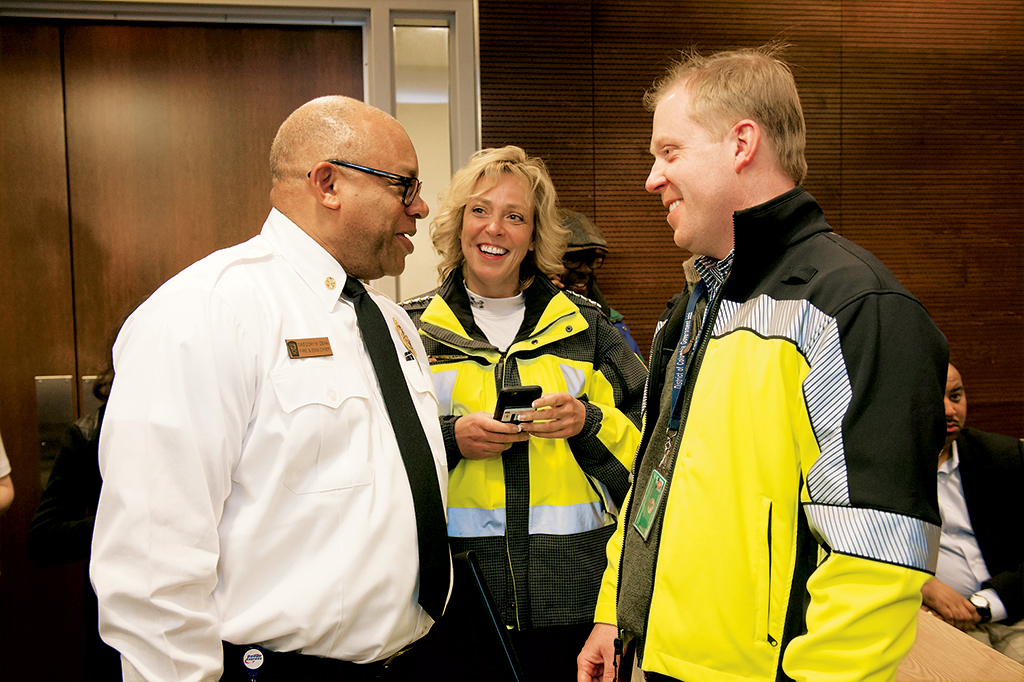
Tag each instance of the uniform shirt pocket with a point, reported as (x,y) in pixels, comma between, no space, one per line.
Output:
(420,384)
(327,426)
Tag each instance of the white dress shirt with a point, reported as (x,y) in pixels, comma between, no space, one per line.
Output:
(961,565)
(249,496)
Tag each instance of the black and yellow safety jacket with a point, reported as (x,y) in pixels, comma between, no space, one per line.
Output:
(800,518)
(540,515)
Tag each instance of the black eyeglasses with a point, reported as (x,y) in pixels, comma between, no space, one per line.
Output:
(574,260)
(412,185)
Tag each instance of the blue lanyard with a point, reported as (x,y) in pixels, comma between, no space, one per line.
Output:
(686,344)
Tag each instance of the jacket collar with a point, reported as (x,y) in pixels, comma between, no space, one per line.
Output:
(450,310)
(764,232)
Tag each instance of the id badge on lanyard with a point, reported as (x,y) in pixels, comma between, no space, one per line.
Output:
(651,501)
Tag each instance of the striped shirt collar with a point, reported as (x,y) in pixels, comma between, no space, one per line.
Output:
(713,272)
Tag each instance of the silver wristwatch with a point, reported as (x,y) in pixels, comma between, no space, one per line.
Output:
(982,606)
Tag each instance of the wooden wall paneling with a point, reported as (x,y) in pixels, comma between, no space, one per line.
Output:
(537,89)
(522,100)
(933,177)
(643,271)
(169,132)
(36,335)
(634,44)
(914,118)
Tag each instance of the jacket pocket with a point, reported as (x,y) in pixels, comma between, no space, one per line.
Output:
(764,577)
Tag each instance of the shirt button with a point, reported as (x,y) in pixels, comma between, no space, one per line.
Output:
(332,394)
(330,283)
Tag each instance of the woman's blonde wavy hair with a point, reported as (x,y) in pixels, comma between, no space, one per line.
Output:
(549,237)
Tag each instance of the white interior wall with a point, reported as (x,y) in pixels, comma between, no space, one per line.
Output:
(427,125)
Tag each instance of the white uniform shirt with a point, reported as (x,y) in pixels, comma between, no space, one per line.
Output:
(961,565)
(249,496)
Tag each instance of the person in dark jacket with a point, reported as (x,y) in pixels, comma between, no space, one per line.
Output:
(61,530)
(584,255)
(979,583)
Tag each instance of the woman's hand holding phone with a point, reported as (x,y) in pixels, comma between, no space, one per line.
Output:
(555,415)
(480,436)
(521,411)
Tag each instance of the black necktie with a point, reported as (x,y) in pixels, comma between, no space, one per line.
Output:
(431,530)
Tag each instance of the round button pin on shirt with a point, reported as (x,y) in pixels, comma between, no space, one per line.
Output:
(253,659)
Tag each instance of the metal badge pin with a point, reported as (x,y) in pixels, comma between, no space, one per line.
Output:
(411,354)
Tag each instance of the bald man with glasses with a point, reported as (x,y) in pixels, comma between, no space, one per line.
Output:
(274,475)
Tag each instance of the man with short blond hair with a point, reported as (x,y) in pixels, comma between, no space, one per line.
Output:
(782,517)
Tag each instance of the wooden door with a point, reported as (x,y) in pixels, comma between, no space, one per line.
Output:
(36,329)
(168,130)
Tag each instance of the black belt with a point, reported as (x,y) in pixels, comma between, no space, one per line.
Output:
(243,663)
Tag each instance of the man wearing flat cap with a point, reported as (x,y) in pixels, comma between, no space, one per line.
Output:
(583,256)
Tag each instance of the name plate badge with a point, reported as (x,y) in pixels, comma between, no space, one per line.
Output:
(308,348)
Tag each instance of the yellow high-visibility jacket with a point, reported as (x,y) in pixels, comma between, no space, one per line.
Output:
(540,515)
(800,517)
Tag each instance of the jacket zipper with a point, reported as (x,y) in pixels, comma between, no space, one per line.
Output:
(768,592)
(712,310)
(499,380)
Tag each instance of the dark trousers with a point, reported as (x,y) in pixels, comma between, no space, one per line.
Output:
(550,653)
(290,666)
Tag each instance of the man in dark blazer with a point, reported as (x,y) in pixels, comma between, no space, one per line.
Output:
(979,583)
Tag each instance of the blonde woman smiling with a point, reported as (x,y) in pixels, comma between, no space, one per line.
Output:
(537,500)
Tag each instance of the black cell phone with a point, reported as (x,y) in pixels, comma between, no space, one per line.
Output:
(515,399)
